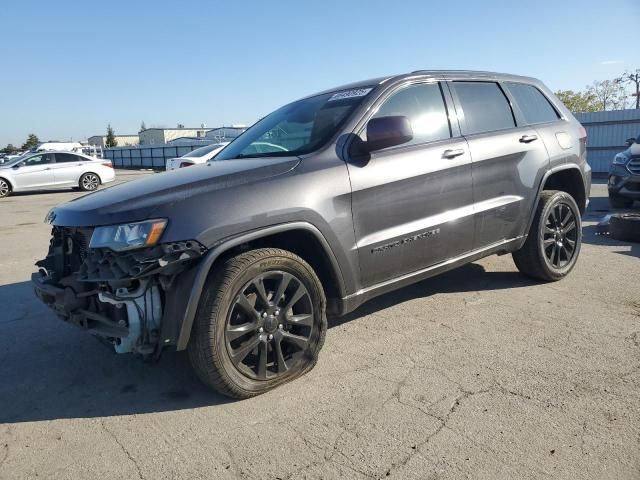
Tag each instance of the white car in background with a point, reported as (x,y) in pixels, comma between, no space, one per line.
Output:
(204,154)
(47,170)
(196,157)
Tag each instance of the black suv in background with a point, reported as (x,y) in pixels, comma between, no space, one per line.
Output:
(624,176)
(368,187)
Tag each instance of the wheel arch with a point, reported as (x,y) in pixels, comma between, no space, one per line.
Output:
(567,180)
(301,238)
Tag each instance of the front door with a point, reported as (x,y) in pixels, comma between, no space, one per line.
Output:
(412,203)
(34,172)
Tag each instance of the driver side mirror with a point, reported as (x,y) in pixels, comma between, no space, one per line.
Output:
(630,141)
(18,165)
(384,132)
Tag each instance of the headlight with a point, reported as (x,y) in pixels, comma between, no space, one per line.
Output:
(620,159)
(128,236)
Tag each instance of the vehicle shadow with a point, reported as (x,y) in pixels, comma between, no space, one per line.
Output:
(51,370)
(468,278)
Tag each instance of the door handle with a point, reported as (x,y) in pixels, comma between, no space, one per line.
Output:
(528,138)
(48,168)
(78,164)
(452,153)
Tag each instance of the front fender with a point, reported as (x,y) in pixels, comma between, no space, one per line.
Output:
(182,301)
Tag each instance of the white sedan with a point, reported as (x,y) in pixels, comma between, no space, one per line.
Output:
(196,157)
(46,170)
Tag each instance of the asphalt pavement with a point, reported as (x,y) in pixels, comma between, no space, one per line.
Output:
(478,373)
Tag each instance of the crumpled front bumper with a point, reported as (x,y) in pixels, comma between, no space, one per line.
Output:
(72,307)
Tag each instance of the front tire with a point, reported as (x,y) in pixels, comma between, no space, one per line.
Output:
(553,244)
(89,182)
(261,322)
(5,188)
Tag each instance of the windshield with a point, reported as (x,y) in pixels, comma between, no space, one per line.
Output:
(202,151)
(13,161)
(298,128)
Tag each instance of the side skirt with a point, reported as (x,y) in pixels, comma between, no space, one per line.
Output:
(353,301)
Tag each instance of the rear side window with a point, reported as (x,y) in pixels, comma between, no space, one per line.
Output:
(424,106)
(67,158)
(534,105)
(485,107)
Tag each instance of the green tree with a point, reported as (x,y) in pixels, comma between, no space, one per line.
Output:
(578,101)
(632,78)
(111,138)
(9,149)
(32,141)
(609,94)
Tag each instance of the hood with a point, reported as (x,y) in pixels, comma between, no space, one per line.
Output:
(143,198)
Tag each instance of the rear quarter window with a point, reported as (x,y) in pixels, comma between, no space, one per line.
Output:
(535,107)
(485,107)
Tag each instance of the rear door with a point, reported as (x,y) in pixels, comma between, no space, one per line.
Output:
(68,168)
(411,203)
(507,157)
(34,172)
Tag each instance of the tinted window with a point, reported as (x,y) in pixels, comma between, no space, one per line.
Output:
(67,157)
(424,106)
(534,105)
(38,160)
(485,107)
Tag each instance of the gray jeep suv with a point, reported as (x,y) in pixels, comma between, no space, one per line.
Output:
(368,188)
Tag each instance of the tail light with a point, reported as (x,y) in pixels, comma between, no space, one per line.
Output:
(107,164)
(185,164)
(583,133)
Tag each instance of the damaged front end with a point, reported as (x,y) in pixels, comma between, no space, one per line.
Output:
(130,298)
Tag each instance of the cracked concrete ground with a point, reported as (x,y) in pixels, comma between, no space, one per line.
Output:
(479,373)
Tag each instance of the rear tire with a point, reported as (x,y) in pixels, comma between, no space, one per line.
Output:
(89,182)
(620,202)
(625,227)
(553,244)
(260,322)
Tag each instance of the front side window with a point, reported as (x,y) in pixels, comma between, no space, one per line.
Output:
(37,160)
(298,128)
(485,107)
(425,109)
(533,104)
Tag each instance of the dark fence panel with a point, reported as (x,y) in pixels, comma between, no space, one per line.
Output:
(146,157)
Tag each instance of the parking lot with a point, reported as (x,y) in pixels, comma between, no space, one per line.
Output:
(478,373)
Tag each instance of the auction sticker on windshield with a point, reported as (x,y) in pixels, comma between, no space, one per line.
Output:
(358,92)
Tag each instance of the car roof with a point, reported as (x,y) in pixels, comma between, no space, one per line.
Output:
(446,74)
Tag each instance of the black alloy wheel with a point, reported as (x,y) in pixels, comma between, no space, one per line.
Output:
(269,326)
(553,242)
(560,235)
(261,322)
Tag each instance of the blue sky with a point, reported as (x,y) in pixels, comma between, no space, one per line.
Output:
(70,67)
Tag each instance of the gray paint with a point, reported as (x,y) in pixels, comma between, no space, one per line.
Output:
(401,215)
